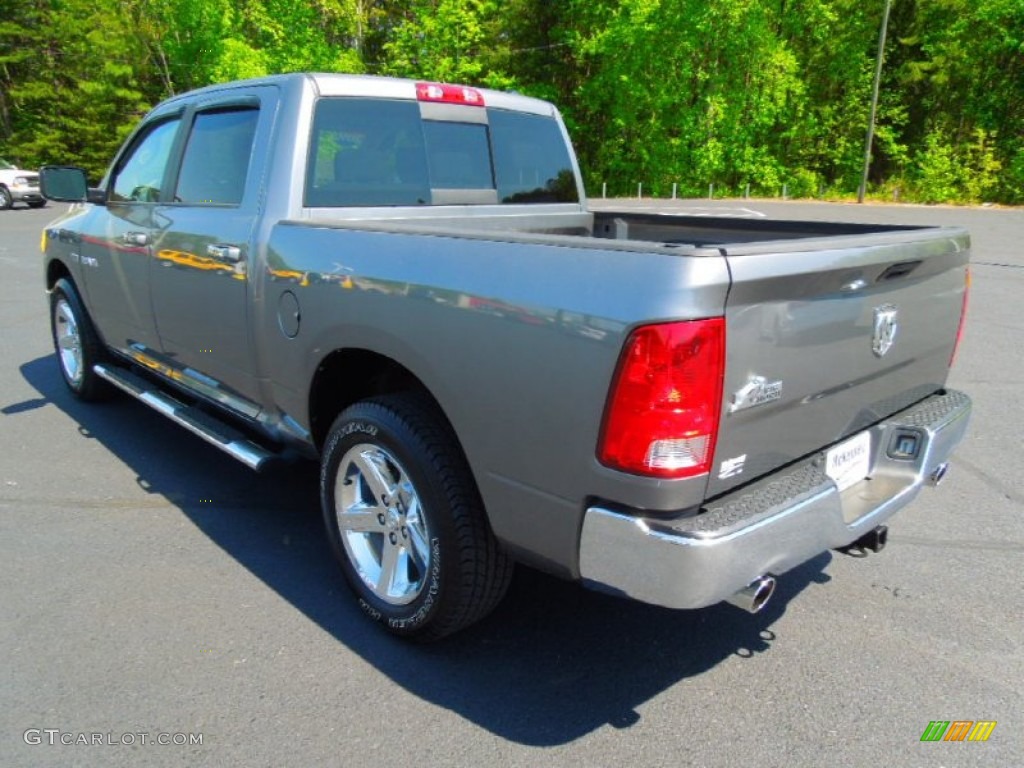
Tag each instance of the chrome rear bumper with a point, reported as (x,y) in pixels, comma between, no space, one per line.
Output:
(770,526)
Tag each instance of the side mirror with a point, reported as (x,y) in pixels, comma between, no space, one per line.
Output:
(67,184)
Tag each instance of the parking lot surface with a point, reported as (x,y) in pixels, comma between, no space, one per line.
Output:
(153,590)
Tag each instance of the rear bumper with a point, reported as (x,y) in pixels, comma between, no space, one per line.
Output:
(770,526)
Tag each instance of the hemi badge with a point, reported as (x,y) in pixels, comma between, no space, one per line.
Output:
(757,391)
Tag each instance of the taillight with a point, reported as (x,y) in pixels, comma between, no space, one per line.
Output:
(963,315)
(449,94)
(662,414)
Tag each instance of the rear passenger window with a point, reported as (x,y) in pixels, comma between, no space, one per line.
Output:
(216,161)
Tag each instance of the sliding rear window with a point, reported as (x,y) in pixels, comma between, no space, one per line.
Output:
(380,152)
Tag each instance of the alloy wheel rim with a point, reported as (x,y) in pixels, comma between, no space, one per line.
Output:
(383,528)
(69,342)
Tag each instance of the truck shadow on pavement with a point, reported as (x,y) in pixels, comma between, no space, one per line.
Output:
(553,663)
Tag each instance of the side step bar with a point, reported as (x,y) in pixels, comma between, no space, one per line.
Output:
(209,428)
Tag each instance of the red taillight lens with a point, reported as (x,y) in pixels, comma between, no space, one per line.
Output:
(963,315)
(662,413)
(449,94)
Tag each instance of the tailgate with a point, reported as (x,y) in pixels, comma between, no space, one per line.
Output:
(823,342)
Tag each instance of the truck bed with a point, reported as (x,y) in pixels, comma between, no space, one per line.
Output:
(628,230)
(673,229)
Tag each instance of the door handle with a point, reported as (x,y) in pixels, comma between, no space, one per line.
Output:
(228,253)
(135,238)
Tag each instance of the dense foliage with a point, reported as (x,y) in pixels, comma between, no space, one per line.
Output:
(765,93)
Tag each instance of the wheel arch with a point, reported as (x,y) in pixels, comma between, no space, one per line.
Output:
(55,270)
(333,388)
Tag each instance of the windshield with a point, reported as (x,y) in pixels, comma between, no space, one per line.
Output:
(5,166)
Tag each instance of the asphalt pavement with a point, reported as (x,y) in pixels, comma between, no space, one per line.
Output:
(153,590)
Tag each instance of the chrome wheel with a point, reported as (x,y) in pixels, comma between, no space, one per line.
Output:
(76,343)
(6,201)
(382,525)
(69,342)
(405,520)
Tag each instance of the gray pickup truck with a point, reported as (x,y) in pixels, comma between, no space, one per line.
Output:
(402,281)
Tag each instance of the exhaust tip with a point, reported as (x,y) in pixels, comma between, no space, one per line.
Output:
(872,541)
(755,596)
(938,474)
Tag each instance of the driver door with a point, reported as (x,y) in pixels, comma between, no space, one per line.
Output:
(118,250)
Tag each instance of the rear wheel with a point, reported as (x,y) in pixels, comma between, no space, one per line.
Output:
(37,204)
(76,342)
(406,522)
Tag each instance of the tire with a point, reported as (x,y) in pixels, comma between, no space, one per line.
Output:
(76,343)
(37,204)
(405,520)
(6,200)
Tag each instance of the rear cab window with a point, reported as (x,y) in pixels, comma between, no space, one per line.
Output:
(395,152)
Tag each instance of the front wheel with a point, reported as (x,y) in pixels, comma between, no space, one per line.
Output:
(76,342)
(406,522)
(6,200)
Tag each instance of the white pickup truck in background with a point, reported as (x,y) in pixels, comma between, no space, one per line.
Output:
(18,186)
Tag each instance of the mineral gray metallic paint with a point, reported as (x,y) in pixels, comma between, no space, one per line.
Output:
(513,317)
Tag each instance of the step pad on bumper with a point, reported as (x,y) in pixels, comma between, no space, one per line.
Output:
(772,525)
(807,477)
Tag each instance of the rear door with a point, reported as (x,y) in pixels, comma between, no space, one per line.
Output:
(827,340)
(201,287)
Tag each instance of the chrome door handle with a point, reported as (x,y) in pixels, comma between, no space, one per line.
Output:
(229,253)
(135,238)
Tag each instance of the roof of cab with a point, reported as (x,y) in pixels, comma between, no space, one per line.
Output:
(368,86)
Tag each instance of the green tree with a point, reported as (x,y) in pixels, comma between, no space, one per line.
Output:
(70,93)
(448,41)
(735,92)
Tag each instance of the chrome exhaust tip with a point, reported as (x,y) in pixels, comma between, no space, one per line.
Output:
(753,597)
(938,474)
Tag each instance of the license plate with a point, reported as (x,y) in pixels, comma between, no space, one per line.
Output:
(850,461)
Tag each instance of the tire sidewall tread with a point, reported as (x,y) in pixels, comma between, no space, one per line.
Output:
(92,387)
(469,573)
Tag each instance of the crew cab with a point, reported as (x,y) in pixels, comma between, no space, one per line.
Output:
(402,281)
